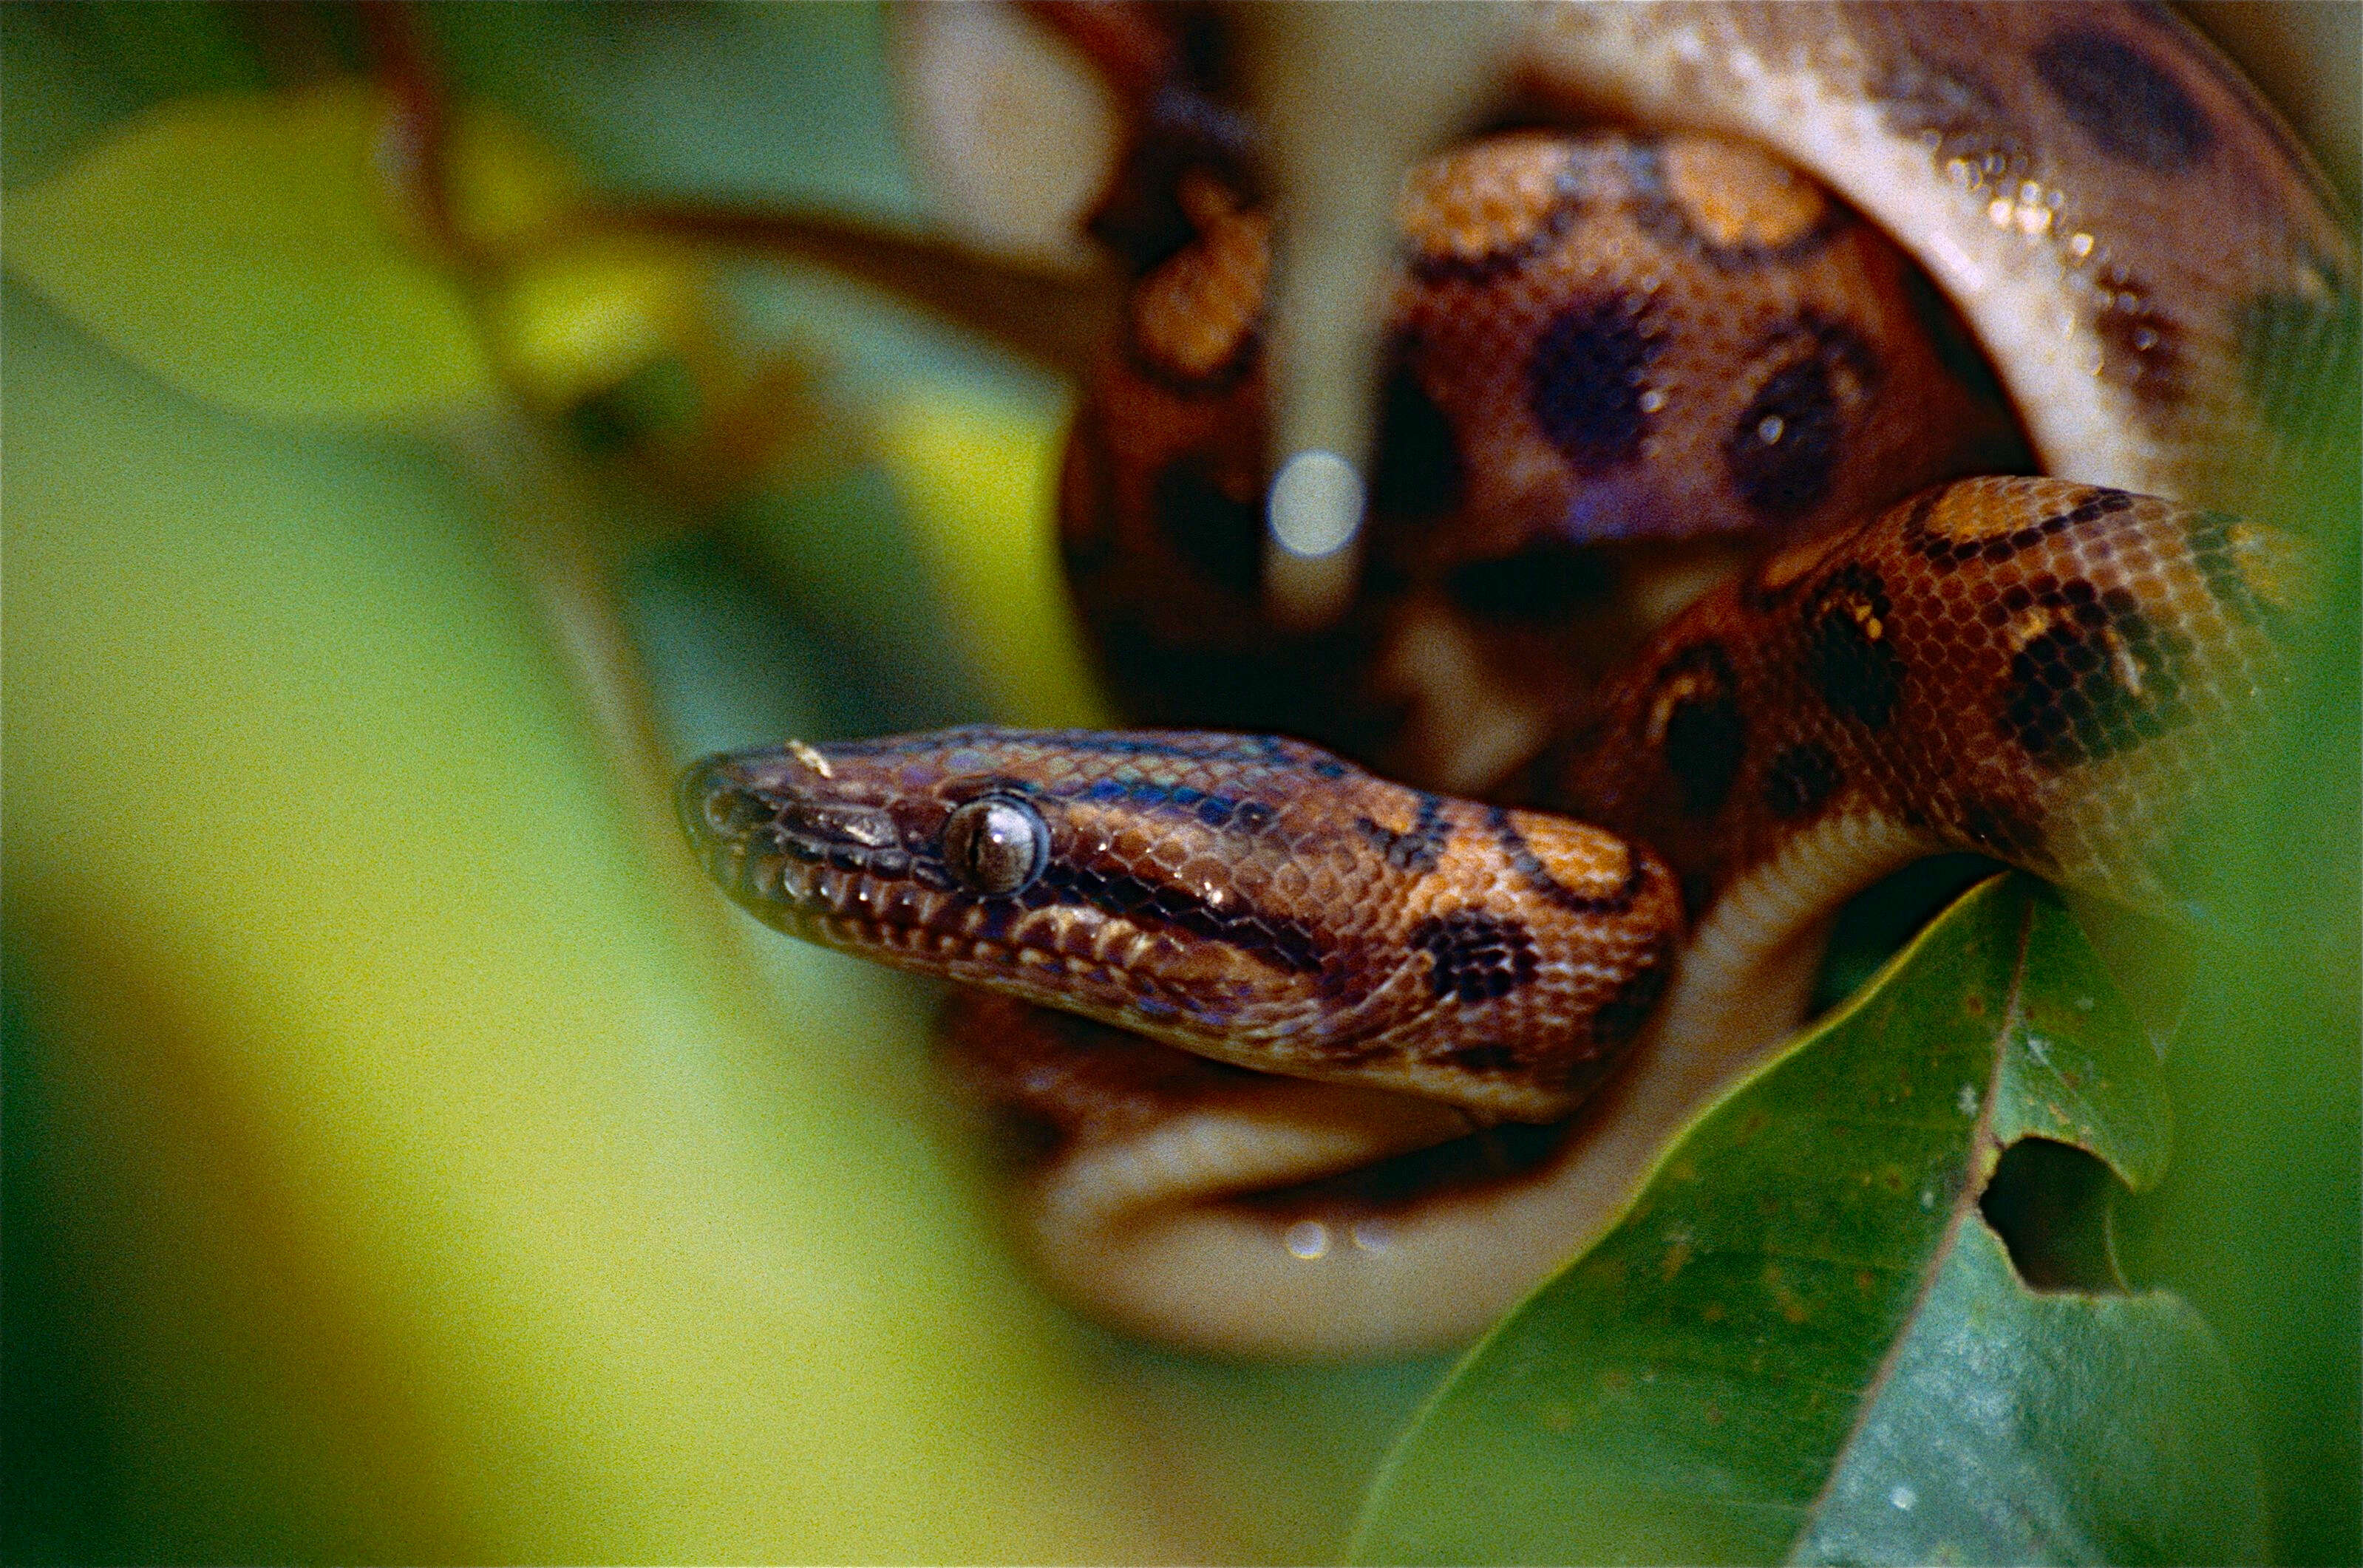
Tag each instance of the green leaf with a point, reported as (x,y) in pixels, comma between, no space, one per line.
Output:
(1807,1341)
(240,246)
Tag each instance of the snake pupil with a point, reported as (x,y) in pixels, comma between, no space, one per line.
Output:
(996,846)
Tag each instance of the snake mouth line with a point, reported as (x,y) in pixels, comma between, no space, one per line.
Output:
(1483,1161)
(852,908)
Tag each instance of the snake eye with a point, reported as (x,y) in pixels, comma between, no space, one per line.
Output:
(997,845)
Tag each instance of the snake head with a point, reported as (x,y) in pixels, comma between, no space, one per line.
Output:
(1252,900)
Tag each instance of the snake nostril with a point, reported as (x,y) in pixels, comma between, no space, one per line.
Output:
(712,804)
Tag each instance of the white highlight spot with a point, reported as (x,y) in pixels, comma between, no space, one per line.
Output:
(1372,1236)
(1317,505)
(1904,1497)
(2040,1049)
(1769,428)
(1307,1239)
(810,758)
(1652,401)
(1966,1102)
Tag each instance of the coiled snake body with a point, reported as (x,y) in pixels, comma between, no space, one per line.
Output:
(1599,339)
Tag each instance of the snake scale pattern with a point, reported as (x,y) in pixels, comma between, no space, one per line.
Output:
(1341,1063)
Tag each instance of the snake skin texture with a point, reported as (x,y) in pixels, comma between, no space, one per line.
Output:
(1349,1053)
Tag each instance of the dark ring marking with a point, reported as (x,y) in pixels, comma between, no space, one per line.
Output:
(1950,555)
(1536,876)
(1217,382)
(1418,471)
(1566,201)
(1784,449)
(1221,812)
(1661,215)
(1219,537)
(1419,847)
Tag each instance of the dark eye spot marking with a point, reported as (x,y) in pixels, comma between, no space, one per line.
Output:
(1547,584)
(1221,537)
(2091,675)
(2118,96)
(1475,957)
(1854,665)
(1800,780)
(1584,377)
(1784,450)
(1696,724)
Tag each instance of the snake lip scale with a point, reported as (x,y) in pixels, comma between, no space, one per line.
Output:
(1287,985)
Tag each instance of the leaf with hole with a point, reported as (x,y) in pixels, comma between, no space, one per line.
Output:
(1866,1310)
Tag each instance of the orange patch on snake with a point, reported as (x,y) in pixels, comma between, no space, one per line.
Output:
(1194,314)
(1736,195)
(1492,198)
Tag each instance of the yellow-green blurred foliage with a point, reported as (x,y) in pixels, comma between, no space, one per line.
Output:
(393,1175)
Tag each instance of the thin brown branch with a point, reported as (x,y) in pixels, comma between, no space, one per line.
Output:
(1057,320)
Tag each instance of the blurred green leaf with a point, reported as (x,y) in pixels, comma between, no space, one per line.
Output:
(1807,1341)
(438,1194)
(240,245)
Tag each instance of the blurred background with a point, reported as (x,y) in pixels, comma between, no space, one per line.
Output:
(405,1158)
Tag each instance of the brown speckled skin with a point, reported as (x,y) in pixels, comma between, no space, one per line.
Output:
(1604,349)
(1591,339)
(2044,672)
